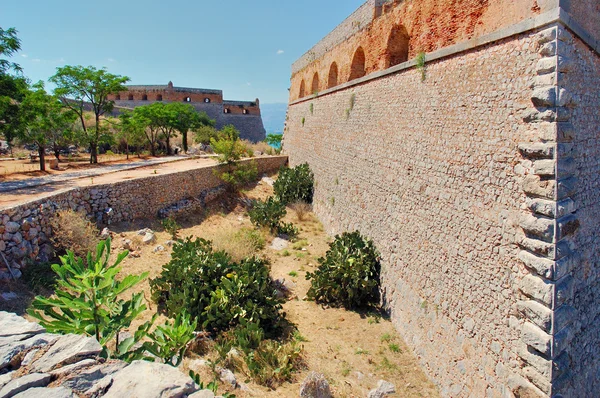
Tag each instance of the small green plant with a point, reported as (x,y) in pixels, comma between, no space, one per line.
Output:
(303,120)
(346,369)
(293,274)
(171,226)
(88,298)
(332,201)
(360,351)
(285,253)
(212,386)
(394,347)
(299,337)
(154,172)
(170,341)
(352,101)
(311,108)
(337,181)
(386,338)
(231,149)
(347,113)
(420,65)
(295,184)
(348,275)
(301,244)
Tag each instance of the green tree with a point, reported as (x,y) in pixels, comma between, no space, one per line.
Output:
(274,140)
(12,87)
(44,120)
(149,119)
(187,118)
(204,134)
(79,86)
(230,149)
(130,130)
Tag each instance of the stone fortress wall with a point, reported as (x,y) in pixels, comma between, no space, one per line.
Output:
(478,179)
(244,115)
(25,229)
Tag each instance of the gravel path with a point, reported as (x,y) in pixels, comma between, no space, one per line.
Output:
(51,179)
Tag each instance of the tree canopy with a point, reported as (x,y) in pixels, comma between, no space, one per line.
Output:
(79,86)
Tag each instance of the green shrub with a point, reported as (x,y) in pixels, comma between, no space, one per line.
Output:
(348,276)
(216,291)
(295,184)
(188,280)
(171,226)
(267,214)
(246,294)
(87,299)
(267,362)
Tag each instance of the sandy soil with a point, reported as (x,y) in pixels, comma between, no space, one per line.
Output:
(354,351)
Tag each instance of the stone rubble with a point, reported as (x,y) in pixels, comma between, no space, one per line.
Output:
(69,366)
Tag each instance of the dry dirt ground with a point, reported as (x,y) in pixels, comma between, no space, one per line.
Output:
(354,351)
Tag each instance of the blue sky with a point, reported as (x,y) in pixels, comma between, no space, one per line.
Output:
(245,48)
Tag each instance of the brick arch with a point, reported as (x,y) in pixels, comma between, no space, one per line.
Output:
(314,87)
(332,79)
(358,66)
(302,91)
(397,46)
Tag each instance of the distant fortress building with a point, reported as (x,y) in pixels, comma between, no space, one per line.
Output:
(244,115)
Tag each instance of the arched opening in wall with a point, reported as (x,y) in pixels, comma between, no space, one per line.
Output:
(314,87)
(302,92)
(207,100)
(130,97)
(226,110)
(187,99)
(332,80)
(117,97)
(144,97)
(397,46)
(357,68)
(245,111)
(159,97)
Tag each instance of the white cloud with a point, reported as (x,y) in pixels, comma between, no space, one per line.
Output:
(24,55)
(279,52)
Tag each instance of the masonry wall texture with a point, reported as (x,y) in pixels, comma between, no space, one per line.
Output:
(25,231)
(478,180)
(244,115)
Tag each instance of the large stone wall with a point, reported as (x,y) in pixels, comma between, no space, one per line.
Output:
(428,25)
(25,231)
(468,183)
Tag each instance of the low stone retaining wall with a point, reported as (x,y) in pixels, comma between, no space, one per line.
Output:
(25,231)
(36,364)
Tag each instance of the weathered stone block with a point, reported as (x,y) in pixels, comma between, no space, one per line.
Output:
(537,288)
(566,226)
(536,338)
(546,65)
(539,226)
(544,97)
(544,167)
(537,150)
(541,266)
(536,313)
(563,316)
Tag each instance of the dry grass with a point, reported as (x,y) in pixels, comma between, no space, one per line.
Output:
(301,209)
(72,231)
(238,242)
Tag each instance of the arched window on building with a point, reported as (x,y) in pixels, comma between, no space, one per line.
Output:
(118,97)
(207,100)
(144,97)
(332,80)
(302,92)
(397,46)
(159,97)
(226,110)
(314,87)
(187,99)
(130,97)
(357,68)
(245,111)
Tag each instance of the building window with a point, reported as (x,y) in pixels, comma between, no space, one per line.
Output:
(130,97)
(159,97)
(301,93)
(245,111)
(117,97)
(226,110)
(207,100)
(357,69)
(187,99)
(144,97)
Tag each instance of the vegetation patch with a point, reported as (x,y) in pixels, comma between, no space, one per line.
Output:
(295,184)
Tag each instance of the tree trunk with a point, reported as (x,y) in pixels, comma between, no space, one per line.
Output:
(152,149)
(42,156)
(127,149)
(93,153)
(184,141)
(56,149)
(168,146)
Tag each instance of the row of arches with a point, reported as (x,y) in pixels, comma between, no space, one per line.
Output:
(396,52)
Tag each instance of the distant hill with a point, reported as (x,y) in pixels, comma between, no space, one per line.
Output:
(273,116)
